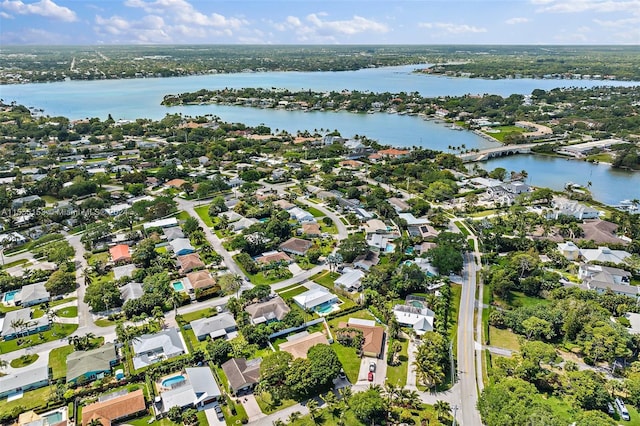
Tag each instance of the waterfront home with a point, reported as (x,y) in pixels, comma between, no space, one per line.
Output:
(120,253)
(197,388)
(221,325)
(394,153)
(299,344)
(296,246)
(32,294)
(350,280)
(151,348)
(112,409)
(181,246)
(563,206)
(316,298)
(425,232)
(242,375)
(274,309)
(23,380)
(373,344)
(29,325)
(87,366)
(420,319)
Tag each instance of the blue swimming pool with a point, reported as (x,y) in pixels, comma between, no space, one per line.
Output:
(172,381)
(54,418)
(389,248)
(325,309)
(178,286)
(417,304)
(10,295)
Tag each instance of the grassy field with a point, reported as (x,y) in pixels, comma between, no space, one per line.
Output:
(503,339)
(30,399)
(397,375)
(267,406)
(502,131)
(183,215)
(14,263)
(315,212)
(456,293)
(202,313)
(68,312)
(290,294)
(203,212)
(147,420)
(350,361)
(58,361)
(104,322)
(326,279)
(23,361)
(519,299)
(58,331)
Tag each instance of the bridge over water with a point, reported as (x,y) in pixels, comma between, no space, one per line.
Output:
(485,154)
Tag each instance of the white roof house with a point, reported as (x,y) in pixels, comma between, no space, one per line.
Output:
(350,279)
(569,250)
(181,246)
(604,254)
(23,380)
(34,325)
(566,207)
(152,348)
(161,223)
(116,209)
(131,290)
(198,389)
(421,320)
(216,326)
(301,215)
(315,297)
(33,294)
(412,220)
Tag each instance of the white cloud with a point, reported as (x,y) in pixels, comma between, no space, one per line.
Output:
(182,12)
(5,15)
(576,6)
(514,21)
(452,28)
(618,23)
(46,8)
(316,28)
(149,29)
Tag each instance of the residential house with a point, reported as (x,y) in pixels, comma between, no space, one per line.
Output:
(399,205)
(120,253)
(243,223)
(316,298)
(426,232)
(86,366)
(23,380)
(274,257)
(217,326)
(123,271)
(231,216)
(181,246)
(374,226)
(604,254)
(30,325)
(131,291)
(350,280)
(200,280)
(151,348)
(420,319)
(283,204)
(373,344)
(311,230)
(299,344)
(198,389)
(274,309)
(117,209)
(242,375)
(189,262)
(161,223)
(296,246)
(175,183)
(173,233)
(111,409)
(301,215)
(563,206)
(394,153)
(366,261)
(20,202)
(412,220)
(569,250)
(32,294)
(603,278)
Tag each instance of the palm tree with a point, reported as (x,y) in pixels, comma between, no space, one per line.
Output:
(312,405)
(294,416)
(345,395)
(176,300)
(331,400)
(94,422)
(443,409)
(278,422)
(3,364)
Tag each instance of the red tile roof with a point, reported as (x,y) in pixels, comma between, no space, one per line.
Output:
(120,252)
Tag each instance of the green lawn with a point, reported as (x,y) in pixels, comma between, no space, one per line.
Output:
(326,279)
(290,294)
(462,228)
(202,313)
(519,299)
(58,331)
(397,375)
(144,421)
(287,288)
(315,212)
(456,293)
(183,215)
(104,322)
(267,406)
(31,399)
(325,418)
(15,263)
(350,361)
(58,361)
(203,212)
(23,361)
(502,131)
(503,339)
(68,312)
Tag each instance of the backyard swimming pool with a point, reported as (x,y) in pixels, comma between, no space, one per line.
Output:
(325,309)
(54,418)
(178,286)
(10,295)
(172,381)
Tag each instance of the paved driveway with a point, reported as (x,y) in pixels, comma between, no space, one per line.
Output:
(378,376)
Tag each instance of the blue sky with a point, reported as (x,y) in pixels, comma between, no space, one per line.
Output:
(46,22)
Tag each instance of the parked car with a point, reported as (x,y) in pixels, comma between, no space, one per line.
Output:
(342,374)
(219,412)
(372,366)
(622,410)
(370,377)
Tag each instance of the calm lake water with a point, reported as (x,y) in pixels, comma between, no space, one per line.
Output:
(140,98)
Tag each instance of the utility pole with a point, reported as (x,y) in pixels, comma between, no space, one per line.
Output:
(455,410)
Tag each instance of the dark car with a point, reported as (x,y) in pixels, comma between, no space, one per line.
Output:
(219,412)
(370,377)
